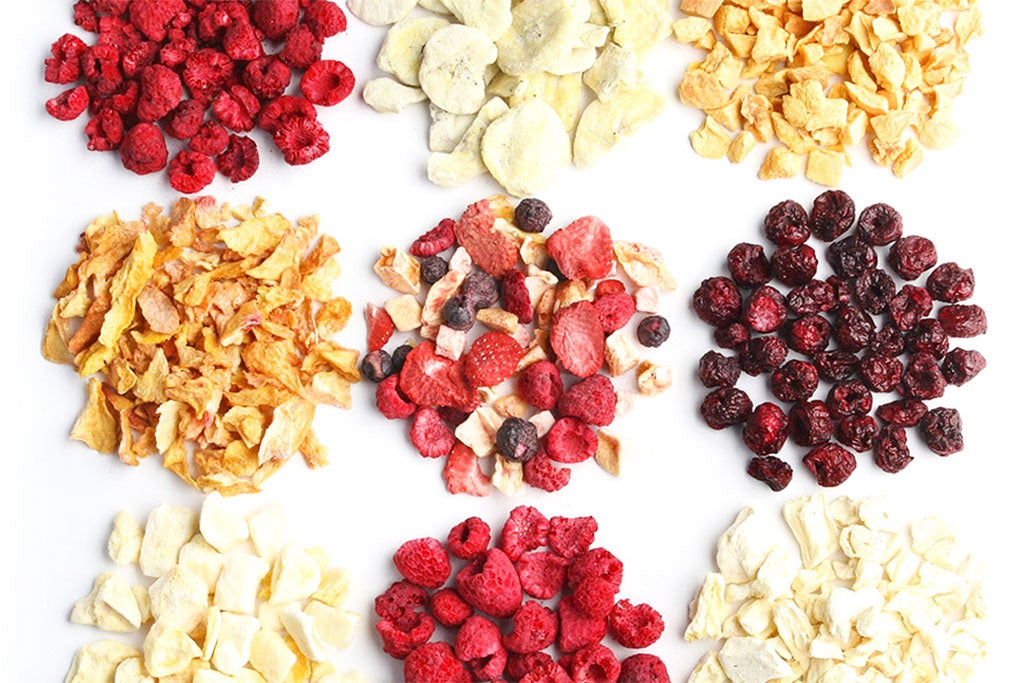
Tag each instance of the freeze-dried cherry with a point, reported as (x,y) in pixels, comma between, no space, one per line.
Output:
(853,327)
(763,354)
(842,288)
(814,296)
(858,432)
(910,306)
(748,265)
(960,366)
(891,451)
(732,336)
(832,214)
(850,397)
(771,470)
(786,224)
(808,334)
(941,430)
(718,370)
(923,378)
(794,265)
(765,309)
(880,373)
(725,407)
(950,283)
(888,340)
(928,336)
(795,381)
(880,224)
(810,423)
(830,463)
(963,320)
(905,412)
(912,255)
(851,256)
(836,365)
(766,429)
(717,301)
(874,290)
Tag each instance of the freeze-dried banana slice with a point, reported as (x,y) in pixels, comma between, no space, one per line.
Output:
(542,33)
(381,12)
(387,95)
(454,66)
(614,69)
(638,24)
(493,17)
(563,93)
(446,129)
(603,124)
(402,51)
(464,162)
(525,147)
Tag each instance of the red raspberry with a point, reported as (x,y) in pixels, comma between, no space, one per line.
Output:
(570,440)
(399,641)
(65,65)
(69,104)
(105,131)
(185,119)
(174,52)
(432,662)
(435,240)
(212,139)
(521,664)
(595,663)
(534,627)
(267,76)
(301,140)
(830,464)
(143,149)
(591,399)
(275,19)
(525,529)
(206,71)
(614,310)
(469,538)
(153,18)
(327,82)
(325,18)
(490,584)
(766,429)
(516,296)
(576,629)
(594,596)
(571,536)
(596,562)
(391,402)
(284,107)
(582,249)
(240,159)
(540,384)
(242,42)
(236,107)
(462,473)
(550,672)
(423,561)
(189,172)
(448,608)
(609,286)
(429,434)
(160,92)
(635,626)
(401,603)
(301,48)
(478,644)
(542,574)
(540,472)
(85,17)
(643,668)
(492,358)
(577,338)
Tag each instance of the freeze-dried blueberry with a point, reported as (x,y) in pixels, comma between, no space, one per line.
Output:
(432,269)
(376,366)
(457,314)
(516,439)
(532,215)
(652,331)
(398,356)
(480,290)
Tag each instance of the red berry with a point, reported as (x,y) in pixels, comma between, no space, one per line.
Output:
(525,529)
(534,627)
(941,429)
(301,140)
(950,283)
(478,644)
(189,172)
(960,366)
(571,536)
(490,584)
(516,296)
(448,608)
(429,434)
(595,663)
(635,626)
(903,413)
(143,149)
(795,381)
(240,159)
(830,464)
(542,574)
(748,265)
(576,629)
(832,214)
(643,668)
(963,320)
(592,400)
(891,452)
(766,429)
(911,256)
(787,224)
(859,432)
(540,384)
(771,470)
(614,310)
(492,358)
(540,472)
(717,301)
(69,104)
(765,309)
(726,407)
(810,423)
(424,562)
(432,662)
(794,265)
(469,539)
(570,440)
(880,224)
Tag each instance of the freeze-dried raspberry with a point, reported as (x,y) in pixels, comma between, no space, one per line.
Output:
(549,672)
(888,340)
(424,562)
(765,309)
(613,310)
(376,366)
(963,320)
(653,331)
(189,171)
(717,370)
(592,400)
(391,402)
(810,423)
(205,72)
(327,82)
(595,563)
(267,76)
(124,99)
(236,108)
(101,69)
(542,574)
(301,140)
(143,149)
(795,381)
(941,429)
(325,18)
(836,365)
(525,529)
(960,366)
(571,536)
(302,48)
(851,256)
(576,629)
(880,373)
(153,19)
(105,131)
(858,432)
(814,296)
(582,249)
(160,92)
(766,429)
(595,663)
(609,286)
(432,269)
(469,538)
(808,334)
(399,641)
(69,104)
(448,608)
(880,224)
(795,265)
(532,215)
(732,336)
(830,464)
(137,57)
(911,305)
(950,283)
(849,397)
(174,52)
(594,596)
(283,108)
(928,336)
(401,603)
(521,664)
(903,413)
(771,470)
(912,255)
(275,19)
(431,662)
(570,440)
(541,472)
(64,66)
(923,378)
(832,214)
(492,358)
(212,139)
(577,338)
(786,224)
(874,290)
(490,584)
(763,354)
(242,42)
(429,434)
(85,16)
(540,384)
(517,297)
(478,644)
(240,159)
(534,627)
(516,439)
(462,473)
(725,407)
(185,119)
(635,626)
(643,668)
(718,301)
(748,265)
(891,452)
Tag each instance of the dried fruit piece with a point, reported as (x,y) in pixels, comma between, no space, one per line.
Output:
(830,464)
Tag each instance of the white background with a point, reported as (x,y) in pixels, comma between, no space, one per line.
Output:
(683,484)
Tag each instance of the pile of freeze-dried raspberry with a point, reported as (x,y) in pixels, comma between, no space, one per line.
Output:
(204,73)
(533,606)
(864,329)
(515,345)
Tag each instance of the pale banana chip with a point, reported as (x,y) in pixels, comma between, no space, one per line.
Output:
(447,129)
(388,96)
(542,33)
(614,69)
(464,162)
(97,662)
(525,148)
(402,51)
(604,124)
(381,12)
(493,17)
(452,71)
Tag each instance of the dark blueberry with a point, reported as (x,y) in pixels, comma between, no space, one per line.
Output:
(377,366)
(532,215)
(457,314)
(432,269)
(653,331)
(517,439)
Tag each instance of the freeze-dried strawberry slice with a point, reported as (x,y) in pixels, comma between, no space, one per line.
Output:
(492,359)
(577,338)
(495,252)
(435,240)
(517,296)
(428,379)
(379,327)
(582,249)
(462,473)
